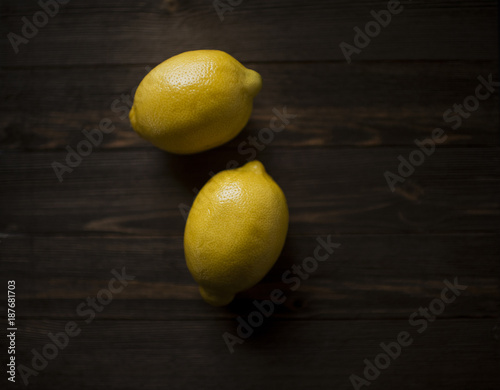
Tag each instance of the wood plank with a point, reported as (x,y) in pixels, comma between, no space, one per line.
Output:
(362,105)
(131,32)
(368,276)
(120,207)
(282,354)
(328,191)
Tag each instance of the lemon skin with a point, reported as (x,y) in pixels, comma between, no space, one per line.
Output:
(194,101)
(235,232)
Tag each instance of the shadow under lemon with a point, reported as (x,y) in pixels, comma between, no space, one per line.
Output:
(193,170)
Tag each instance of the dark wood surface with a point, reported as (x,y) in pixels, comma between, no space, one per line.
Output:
(122,206)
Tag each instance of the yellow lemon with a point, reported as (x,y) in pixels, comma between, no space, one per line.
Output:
(194,101)
(235,232)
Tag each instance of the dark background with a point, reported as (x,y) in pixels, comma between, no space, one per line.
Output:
(120,206)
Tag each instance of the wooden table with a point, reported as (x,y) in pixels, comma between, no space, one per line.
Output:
(120,210)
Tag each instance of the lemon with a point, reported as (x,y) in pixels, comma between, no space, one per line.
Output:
(235,232)
(194,101)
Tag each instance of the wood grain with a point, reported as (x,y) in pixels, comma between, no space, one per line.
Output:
(328,191)
(361,105)
(450,353)
(368,276)
(131,32)
(121,207)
